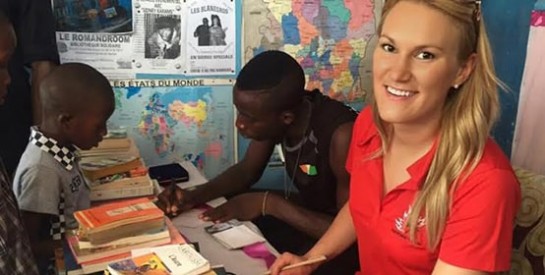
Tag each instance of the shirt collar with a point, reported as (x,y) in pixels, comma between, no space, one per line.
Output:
(420,168)
(64,155)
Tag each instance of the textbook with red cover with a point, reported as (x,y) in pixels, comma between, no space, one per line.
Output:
(115,214)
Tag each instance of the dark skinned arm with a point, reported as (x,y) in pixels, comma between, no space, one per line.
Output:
(42,245)
(36,40)
(239,177)
(248,206)
(236,179)
(313,223)
(39,70)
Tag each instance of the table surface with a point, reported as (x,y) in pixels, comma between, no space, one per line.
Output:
(235,261)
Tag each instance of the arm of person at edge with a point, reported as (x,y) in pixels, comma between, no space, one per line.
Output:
(39,70)
(340,235)
(42,246)
(37,38)
(338,238)
(250,205)
(238,178)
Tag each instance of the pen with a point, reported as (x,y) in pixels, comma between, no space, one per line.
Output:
(307,262)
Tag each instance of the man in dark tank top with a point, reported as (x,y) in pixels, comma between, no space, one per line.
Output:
(314,132)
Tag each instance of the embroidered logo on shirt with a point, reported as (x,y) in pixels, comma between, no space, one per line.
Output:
(308,169)
(400,223)
(75,184)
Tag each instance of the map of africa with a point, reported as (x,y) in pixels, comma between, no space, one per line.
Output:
(179,123)
(331,39)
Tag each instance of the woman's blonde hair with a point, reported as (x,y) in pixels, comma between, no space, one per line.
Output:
(468,116)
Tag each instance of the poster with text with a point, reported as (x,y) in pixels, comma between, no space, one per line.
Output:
(211,37)
(110,16)
(124,39)
(157,43)
(96,32)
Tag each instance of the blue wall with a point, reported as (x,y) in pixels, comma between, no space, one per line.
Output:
(508,24)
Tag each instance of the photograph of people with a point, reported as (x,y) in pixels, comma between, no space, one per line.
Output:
(217,34)
(203,33)
(162,43)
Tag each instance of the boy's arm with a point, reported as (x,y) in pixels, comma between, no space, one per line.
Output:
(38,192)
(41,241)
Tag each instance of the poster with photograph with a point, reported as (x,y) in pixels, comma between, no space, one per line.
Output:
(211,37)
(96,32)
(111,16)
(128,38)
(157,43)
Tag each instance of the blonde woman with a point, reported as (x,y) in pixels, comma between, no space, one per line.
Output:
(430,192)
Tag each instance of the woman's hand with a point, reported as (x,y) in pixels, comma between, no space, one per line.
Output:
(288,259)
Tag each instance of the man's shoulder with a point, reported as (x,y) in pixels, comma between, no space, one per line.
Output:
(329,114)
(324,105)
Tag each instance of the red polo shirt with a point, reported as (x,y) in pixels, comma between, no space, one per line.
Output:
(478,230)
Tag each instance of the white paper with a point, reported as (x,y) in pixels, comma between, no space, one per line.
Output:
(195,177)
(216,202)
(238,236)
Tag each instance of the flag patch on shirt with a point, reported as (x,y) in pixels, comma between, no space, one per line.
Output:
(309,169)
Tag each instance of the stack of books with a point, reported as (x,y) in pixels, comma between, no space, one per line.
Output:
(107,233)
(115,170)
(118,145)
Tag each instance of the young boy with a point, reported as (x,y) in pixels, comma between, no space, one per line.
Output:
(76,103)
(15,254)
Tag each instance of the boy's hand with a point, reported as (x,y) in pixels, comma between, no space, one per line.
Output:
(174,200)
(243,207)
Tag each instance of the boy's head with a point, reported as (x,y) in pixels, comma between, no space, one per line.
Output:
(7,46)
(268,93)
(77,101)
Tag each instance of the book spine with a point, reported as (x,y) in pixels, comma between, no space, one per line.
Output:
(127,192)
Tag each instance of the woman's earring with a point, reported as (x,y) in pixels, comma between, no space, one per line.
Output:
(456,86)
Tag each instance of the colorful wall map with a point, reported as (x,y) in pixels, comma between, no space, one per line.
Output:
(331,39)
(179,123)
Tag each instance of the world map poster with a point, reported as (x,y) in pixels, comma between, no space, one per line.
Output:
(331,39)
(172,124)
